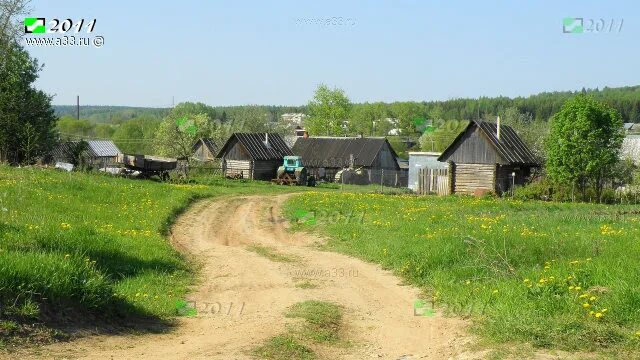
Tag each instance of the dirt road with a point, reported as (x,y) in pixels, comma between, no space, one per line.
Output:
(254,292)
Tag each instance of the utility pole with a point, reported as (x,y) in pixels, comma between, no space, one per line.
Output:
(78,107)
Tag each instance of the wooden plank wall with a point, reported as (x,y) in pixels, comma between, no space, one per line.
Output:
(237,167)
(432,181)
(469,177)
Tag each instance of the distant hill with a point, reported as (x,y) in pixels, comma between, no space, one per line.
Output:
(540,106)
(106,114)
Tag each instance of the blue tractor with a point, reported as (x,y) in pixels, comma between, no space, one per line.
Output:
(292,172)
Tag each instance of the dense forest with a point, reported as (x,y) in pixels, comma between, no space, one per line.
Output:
(541,106)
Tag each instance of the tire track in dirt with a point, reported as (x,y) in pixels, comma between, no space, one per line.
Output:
(378,312)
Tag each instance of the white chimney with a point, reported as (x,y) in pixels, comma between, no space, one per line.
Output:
(498,128)
(266,139)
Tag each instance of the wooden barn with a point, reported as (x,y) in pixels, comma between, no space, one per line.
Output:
(205,150)
(488,157)
(253,155)
(325,156)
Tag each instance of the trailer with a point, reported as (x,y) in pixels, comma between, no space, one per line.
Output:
(147,165)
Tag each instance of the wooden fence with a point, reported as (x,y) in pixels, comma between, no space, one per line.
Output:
(433,181)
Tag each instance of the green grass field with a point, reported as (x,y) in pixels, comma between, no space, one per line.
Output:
(77,243)
(561,276)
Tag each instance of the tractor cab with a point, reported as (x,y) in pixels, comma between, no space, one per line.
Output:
(292,162)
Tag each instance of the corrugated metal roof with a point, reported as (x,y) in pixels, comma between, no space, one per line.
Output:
(256,147)
(337,150)
(96,148)
(510,146)
(104,148)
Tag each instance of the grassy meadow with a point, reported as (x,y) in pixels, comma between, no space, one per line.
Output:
(76,244)
(554,275)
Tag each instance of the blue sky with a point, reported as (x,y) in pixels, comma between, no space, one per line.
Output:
(256,52)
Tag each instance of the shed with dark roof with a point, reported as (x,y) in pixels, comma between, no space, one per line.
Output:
(488,157)
(253,155)
(205,149)
(325,156)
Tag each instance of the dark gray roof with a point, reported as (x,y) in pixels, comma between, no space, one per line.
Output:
(209,143)
(255,145)
(510,146)
(337,150)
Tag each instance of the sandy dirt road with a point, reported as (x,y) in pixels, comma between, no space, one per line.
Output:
(254,292)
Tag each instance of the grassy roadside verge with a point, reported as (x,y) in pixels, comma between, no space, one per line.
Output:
(559,276)
(77,246)
(321,326)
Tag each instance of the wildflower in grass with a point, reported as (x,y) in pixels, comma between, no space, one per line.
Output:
(574,262)
(495,291)
(604,310)
(598,315)
(586,305)
(593,298)
(571,287)
(578,288)
(67,255)
(526,281)
(583,296)
(468,282)
(638,333)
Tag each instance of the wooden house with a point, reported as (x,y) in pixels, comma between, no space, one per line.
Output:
(487,157)
(253,155)
(205,150)
(325,156)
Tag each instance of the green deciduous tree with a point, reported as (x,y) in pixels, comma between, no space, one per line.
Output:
(179,131)
(584,143)
(27,121)
(328,111)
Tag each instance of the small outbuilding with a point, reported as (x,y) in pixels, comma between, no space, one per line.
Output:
(488,157)
(253,155)
(99,153)
(205,150)
(423,160)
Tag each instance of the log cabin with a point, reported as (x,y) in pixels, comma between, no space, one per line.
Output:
(486,157)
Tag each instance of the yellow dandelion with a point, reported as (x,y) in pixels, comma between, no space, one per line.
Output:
(586,305)
(495,291)
(593,298)
(571,287)
(598,315)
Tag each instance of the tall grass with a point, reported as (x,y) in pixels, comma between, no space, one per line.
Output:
(554,275)
(96,243)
